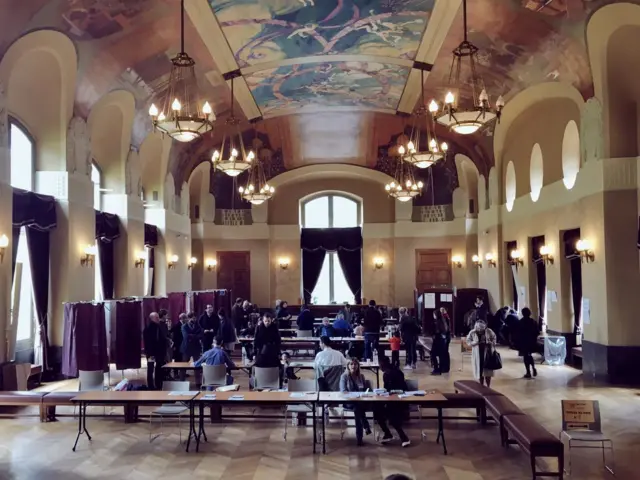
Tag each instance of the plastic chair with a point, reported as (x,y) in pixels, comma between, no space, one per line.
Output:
(586,429)
(90,381)
(266,377)
(213,376)
(170,408)
(305,385)
(412,385)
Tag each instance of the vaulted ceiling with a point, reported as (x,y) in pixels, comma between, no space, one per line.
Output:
(327,76)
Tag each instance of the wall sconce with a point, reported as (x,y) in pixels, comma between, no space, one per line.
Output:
(4,243)
(476,261)
(283,262)
(192,262)
(545,254)
(173,261)
(89,256)
(211,263)
(378,263)
(584,249)
(141,258)
(456,260)
(491,261)
(516,258)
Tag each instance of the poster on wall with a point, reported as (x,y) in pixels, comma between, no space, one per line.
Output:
(586,311)
(429,300)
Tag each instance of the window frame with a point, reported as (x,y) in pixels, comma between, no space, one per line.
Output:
(95,165)
(330,196)
(14,122)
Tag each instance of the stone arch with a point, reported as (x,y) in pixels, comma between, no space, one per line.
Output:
(329,170)
(510,186)
(536,172)
(200,196)
(494,187)
(468,176)
(570,154)
(42,102)
(169,193)
(154,158)
(110,122)
(482,193)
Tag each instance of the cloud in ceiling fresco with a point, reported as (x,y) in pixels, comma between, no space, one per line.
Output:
(260,31)
(292,88)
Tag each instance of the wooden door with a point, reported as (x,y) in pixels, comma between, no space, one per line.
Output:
(433,269)
(234,273)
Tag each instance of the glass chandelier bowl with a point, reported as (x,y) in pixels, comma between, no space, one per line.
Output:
(257,190)
(466,104)
(183,116)
(403,187)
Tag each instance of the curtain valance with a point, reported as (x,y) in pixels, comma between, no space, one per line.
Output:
(150,235)
(331,239)
(33,210)
(107,226)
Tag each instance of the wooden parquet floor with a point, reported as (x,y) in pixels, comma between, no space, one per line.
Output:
(241,449)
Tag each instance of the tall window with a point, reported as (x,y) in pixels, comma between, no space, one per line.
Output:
(22,152)
(96,178)
(331,211)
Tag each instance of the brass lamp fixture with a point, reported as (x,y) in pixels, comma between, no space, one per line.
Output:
(516,258)
(403,187)
(232,158)
(211,264)
(141,258)
(477,262)
(465,112)
(182,116)
(545,255)
(4,243)
(173,261)
(257,190)
(88,257)
(192,262)
(283,262)
(584,249)
(378,263)
(491,261)
(456,260)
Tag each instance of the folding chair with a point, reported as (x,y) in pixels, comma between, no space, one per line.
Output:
(170,408)
(305,385)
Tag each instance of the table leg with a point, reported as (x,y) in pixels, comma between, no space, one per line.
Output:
(441,431)
(192,429)
(84,422)
(315,434)
(79,427)
(377,377)
(324,437)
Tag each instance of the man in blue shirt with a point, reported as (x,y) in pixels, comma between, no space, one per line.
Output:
(217,356)
(341,326)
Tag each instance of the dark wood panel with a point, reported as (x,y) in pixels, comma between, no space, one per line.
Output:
(234,273)
(433,269)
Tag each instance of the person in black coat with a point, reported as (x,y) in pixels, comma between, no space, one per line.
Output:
(209,323)
(267,343)
(227,331)
(156,343)
(528,341)
(305,319)
(372,326)
(409,331)
(237,314)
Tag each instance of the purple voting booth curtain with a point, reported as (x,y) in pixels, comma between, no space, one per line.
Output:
(177,305)
(201,300)
(85,338)
(107,230)
(127,344)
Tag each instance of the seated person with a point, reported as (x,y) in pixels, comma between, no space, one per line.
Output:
(393,379)
(359,330)
(353,381)
(327,330)
(287,370)
(341,327)
(217,356)
(328,357)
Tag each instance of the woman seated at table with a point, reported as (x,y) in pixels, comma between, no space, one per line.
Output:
(353,381)
(283,317)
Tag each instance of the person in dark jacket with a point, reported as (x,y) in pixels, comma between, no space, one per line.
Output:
(191,339)
(226,332)
(441,340)
(528,341)
(283,317)
(409,331)
(156,342)
(209,323)
(305,319)
(176,337)
(393,379)
(372,325)
(267,343)
(481,310)
(236,314)
(512,324)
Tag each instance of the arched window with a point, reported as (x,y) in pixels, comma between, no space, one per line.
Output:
(96,178)
(22,148)
(331,211)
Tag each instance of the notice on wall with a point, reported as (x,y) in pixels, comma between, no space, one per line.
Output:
(446,297)
(586,311)
(429,300)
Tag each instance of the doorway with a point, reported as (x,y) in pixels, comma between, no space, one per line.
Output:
(234,273)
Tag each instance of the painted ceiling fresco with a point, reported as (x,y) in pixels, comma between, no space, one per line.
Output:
(336,84)
(260,31)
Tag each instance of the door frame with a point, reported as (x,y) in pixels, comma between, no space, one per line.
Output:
(246,253)
(446,251)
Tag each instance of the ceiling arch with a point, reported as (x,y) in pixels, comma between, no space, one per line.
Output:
(334,170)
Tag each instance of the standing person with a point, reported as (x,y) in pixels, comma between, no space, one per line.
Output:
(267,343)
(409,331)
(481,309)
(513,325)
(191,339)
(305,322)
(165,325)
(394,343)
(393,379)
(247,310)
(209,323)
(436,345)
(236,314)
(346,312)
(483,341)
(372,325)
(353,381)
(176,337)
(528,341)
(227,331)
(156,342)
(283,317)
(441,338)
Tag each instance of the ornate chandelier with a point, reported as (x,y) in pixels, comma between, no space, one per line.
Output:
(462,114)
(404,186)
(232,157)
(185,120)
(257,190)
(424,155)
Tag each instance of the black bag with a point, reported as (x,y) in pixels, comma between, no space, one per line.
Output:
(493,360)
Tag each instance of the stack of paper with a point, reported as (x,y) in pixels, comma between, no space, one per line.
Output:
(297,395)
(209,396)
(228,388)
(236,397)
(417,393)
(183,394)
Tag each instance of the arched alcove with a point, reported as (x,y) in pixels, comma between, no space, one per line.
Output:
(570,154)
(510,186)
(39,73)
(536,172)
(468,180)
(202,202)
(154,155)
(494,187)
(482,193)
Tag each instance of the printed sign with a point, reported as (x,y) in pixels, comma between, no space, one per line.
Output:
(579,414)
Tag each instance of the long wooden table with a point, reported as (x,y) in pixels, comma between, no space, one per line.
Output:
(126,398)
(432,399)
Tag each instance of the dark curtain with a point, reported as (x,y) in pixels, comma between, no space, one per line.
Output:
(331,239)
(201,300)
(570,238)
(152,270)
(69,359)
(151,240)
(351,263)
(541,276)
(105,257)
(222,299)
(150,235)
(311,267)
(38,244)
(85,335)
(126,347)
(15,238)
(514,289)
(177,305)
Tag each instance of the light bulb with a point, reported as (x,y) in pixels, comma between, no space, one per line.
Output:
(484,97)
(272,190)
(433,145)
(500,102)
(250,156)
(266,186)
(241,189)
(215,156)
(174,258)
(489,256)
(475,259)
(411,147)
(175,106)
(387,187)
(153,110)
(544,250)
(420,184)
(251,188)
(161,117)
(392,184)
(234,153)
(444,146)
(206,109)
(449,98)
(433,106)
(401,150)
(399,188)
(193,260)
(408,183)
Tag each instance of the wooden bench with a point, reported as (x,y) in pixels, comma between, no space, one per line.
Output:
(51,400)
(471,386)
(21,399)
(534,439)
(497,406)
(577,352)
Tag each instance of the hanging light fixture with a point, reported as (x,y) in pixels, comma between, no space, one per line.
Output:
(182,117)
(257,190)
(232,158)
(432,151)
(462,114)
(404,186)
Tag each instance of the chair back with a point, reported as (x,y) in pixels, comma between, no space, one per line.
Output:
(304,333)
(329,377)
(303,385)
(581,415)
(90,380)
(266,377)
(412,385)
(214,375)
(175,386)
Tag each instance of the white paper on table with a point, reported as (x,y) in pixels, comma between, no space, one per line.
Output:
(209,396)
(182,394)
(420,393)
(429,300)
(236,397)
(297,395)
